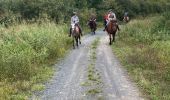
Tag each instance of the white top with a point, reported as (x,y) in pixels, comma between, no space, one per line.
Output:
(74,20)
(109,18)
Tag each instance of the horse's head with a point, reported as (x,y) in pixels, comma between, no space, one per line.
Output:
(113,21)
(76,28)
(76,24)
(92,24)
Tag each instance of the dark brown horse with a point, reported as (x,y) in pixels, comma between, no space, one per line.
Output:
(93,26)
(111,29)
(76,35)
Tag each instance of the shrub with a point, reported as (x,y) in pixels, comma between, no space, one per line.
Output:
(25,48)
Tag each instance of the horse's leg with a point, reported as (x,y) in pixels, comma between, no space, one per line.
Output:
(79,39)
(113,35)
(94,31)
(76,41)
(73,43)
(110,38)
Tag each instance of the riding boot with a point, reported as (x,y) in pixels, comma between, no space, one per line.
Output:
(105,28)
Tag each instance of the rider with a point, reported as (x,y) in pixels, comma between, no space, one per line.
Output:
(92,18)
(111,16)
(126,16)
(74,21)
(105,18)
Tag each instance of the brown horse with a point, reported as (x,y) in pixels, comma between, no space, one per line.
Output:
(76,35)
(111,29)
(93,26)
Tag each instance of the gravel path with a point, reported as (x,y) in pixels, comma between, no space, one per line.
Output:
(72,71)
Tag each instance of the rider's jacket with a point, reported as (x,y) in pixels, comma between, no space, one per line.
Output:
(125,14)
(74,20)
(111,16)
(105,17)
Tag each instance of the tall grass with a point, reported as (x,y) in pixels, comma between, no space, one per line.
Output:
(144,48)
(26,50)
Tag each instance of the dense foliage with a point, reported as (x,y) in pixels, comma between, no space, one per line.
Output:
(61,10)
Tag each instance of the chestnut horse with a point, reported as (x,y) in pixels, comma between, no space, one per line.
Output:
(111,29)
(76,35)
(93,26)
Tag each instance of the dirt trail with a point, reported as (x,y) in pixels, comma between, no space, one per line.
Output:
(72,72)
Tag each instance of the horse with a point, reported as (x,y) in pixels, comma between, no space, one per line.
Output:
(93,26)
(126,19)
(76,35)
(111,29)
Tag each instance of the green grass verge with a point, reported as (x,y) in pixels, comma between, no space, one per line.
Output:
(27,53)
(143,47)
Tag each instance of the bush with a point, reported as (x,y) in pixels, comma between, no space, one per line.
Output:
(25,48)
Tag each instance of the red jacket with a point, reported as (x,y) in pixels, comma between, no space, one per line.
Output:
(105,17)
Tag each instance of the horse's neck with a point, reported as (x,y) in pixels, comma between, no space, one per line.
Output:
(111,27)
(76,29)
(91,23)
(111,24)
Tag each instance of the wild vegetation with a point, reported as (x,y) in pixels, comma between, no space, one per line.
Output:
(144,48)
(26,54)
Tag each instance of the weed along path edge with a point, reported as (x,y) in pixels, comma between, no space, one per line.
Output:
(90,72)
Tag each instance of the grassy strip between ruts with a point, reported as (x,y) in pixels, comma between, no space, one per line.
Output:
(143,47)
(93,82)
(27,54)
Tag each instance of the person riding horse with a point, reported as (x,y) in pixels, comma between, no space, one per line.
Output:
(105,17)
(92,23)
(111,16)
(126,17)
(74,21)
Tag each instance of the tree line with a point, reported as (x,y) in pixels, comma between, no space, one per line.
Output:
(60,10)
